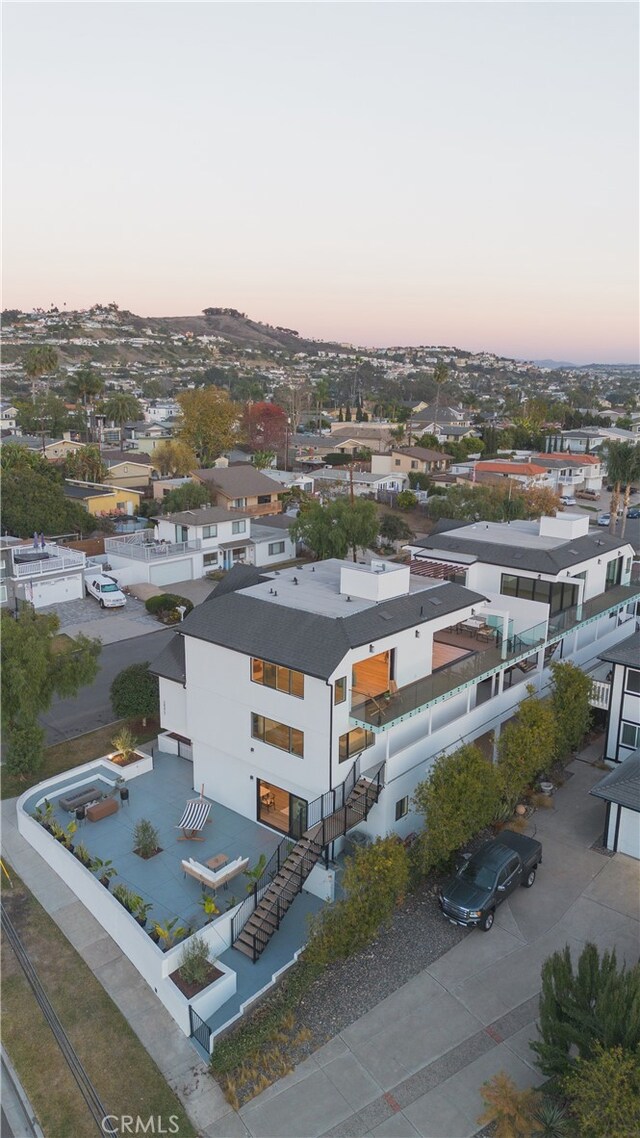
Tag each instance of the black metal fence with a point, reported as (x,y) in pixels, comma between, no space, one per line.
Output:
(200,1030)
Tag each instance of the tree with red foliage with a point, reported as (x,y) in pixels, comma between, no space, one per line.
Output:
(264,426)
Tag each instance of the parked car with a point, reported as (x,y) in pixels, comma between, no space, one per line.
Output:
(591,495)
(568,500)
(604,519)
(486,879)
(634,513)
(106,590)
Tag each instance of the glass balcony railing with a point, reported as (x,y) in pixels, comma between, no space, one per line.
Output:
(383,711)
(590,610)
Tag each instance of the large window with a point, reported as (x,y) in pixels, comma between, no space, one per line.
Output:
(355,741)
(277,677)
(264,499)
(559,595)
(275,547)
(209,531)
(238,504)
(238,527)
(614,573)
(633,681)
(277,734)
(630,735)
(402,807)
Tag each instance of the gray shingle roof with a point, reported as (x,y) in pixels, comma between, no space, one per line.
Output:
(170,663)
(203,516)
(622,785)
(238,481)
(627,652)
(309,642)
(240,577)
(562,556)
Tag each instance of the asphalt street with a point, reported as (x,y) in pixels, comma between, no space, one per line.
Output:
(91,708)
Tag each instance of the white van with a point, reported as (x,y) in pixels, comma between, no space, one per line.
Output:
(105,590)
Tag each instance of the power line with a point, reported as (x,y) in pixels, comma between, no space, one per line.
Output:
(86,1087)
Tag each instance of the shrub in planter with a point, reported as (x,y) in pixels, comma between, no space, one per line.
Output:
(45,816)
(104,871)
(127,898)
(82,854)
(168,934)
(141,912)
(145,839)
(125,744)
(195,961)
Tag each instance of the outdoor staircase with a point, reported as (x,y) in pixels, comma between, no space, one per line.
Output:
(289,868)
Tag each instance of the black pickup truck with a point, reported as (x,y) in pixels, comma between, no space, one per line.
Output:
(484,880)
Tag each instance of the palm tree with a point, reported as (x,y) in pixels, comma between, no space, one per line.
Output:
(121,407)
(620,469)
(83,386)
(39,361)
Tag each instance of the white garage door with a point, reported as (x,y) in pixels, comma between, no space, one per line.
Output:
(629,833)
(52,592)
(173,571)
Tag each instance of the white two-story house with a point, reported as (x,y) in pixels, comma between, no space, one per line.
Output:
(191,543)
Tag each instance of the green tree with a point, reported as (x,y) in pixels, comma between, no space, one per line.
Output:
(604,1093)
(83,387)
(419,481)
(527,746)
(374,882)
(35,667)
(134,693)
(33,499)
(45,415)
(208,422)
(393,528)
(85,464)
(632,475)
(595,1003)
(570,696)
(331,530)
(174,458)
(189,496)
(623,463)
(262,459)
(406,500)
(458,799)
(39,361)
(119,408)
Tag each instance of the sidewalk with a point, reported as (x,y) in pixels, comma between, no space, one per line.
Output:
(414,1065)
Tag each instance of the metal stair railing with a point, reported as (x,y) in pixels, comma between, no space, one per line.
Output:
(333,813)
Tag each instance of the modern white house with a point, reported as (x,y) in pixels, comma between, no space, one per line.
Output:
(288,687)
(336,478)
(187,545)
(620,694)
(569,473)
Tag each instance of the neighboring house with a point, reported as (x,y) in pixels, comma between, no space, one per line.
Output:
(422,460)
(292,480)
(131,469)
(61,448)
(241,488)
(585,440)
(527,474)
(159,412)
(282,685)
(568,474)
(42,576)
(620,789)
(353,437)
(145,436)
(102,498)
(620,695)
(8,417)
(363,481)
(31,442)
(185,546)
(163,486)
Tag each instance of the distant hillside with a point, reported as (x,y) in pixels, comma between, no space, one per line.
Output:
(238,329)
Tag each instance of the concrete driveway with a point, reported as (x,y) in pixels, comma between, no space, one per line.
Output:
(414,1065)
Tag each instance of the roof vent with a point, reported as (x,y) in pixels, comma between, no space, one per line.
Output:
(271,591)
(295,580)
(348,598)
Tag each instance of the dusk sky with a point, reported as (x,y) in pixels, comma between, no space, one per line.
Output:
(462,174)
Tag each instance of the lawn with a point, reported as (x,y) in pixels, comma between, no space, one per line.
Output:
(124,1075)
(72,752)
